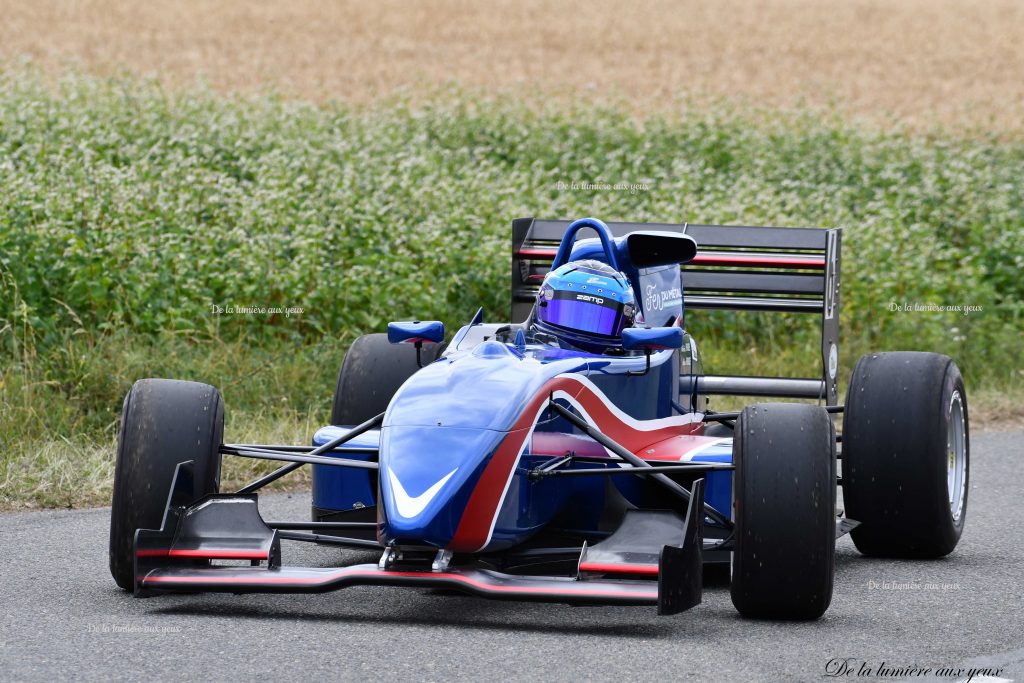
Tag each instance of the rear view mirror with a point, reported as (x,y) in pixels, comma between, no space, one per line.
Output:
(652,338)
(649,340)
(652,248)
(416,332)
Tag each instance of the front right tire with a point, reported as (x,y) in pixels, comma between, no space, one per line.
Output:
(163,422)
(784,498)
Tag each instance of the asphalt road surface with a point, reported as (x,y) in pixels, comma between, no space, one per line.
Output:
(63,618)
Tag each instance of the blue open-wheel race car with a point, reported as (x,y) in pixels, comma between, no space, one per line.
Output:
(571,456)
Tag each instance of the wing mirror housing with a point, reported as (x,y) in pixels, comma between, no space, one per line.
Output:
(652,248)
(649,340)
(652,338)
(416,332)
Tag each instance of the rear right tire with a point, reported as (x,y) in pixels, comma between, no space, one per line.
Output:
(371,374)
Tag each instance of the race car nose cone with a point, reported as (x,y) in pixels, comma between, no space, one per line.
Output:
(427,475)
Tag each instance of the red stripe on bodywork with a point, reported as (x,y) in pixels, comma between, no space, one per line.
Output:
(672,449)
(475,525)
(569,589)
(675,448)
(741,260)
(607,568)
(214,554)
(557,444)
(635,440)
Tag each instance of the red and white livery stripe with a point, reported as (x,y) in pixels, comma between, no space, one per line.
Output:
(477,524)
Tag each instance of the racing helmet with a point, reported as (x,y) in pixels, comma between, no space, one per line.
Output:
(586,303)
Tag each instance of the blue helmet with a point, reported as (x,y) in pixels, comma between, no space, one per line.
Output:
(587,303)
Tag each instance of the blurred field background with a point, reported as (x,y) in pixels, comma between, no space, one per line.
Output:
(954,62)
(363,162)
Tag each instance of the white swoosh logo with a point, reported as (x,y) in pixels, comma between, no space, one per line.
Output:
(408,506)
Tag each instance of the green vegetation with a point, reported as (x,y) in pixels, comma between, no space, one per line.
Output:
(128,213)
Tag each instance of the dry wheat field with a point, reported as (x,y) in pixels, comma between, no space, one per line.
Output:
(915,62)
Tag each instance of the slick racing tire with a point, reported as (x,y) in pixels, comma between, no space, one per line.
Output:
(906,455)
(371,373)
(784,493)
(163,422)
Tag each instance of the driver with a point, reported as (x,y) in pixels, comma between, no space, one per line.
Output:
(587,304)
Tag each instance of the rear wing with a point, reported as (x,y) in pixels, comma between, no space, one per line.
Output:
(736,268)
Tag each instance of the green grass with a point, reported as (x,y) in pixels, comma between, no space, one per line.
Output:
(59,434)
(128,213)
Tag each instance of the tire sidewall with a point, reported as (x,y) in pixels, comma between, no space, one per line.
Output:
(951,529)
(153,438)
(372,371)
(765,466)
(895,456)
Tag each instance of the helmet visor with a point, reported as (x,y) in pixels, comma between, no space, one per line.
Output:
(585,313)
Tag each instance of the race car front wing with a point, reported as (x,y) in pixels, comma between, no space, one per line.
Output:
(179,557)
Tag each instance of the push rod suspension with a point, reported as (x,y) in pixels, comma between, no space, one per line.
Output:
(635,461)
(295,461)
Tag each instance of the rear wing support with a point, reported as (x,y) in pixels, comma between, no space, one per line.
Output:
(737,268)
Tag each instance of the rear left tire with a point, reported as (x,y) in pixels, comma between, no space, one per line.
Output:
(906,454)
